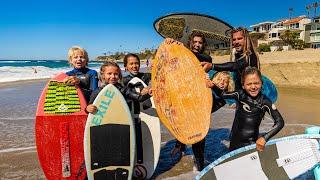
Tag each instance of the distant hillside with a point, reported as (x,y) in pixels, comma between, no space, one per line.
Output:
(145,54)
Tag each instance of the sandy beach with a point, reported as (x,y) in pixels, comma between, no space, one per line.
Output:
(18,155)
(298,68)
(297,104)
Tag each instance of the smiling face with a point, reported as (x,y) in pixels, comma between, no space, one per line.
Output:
(252,84)
(238,41)
(78,59)
(223,82)
(111,74)
(133,65)
(196,44)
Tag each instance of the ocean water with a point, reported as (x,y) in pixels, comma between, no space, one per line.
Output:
(17,70)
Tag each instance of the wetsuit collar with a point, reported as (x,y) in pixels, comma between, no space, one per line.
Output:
(83,70)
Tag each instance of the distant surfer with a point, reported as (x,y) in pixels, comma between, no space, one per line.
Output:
(251,108)
(34,70)
(147,62)
(86,78)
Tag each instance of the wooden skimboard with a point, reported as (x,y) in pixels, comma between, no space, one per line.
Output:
(151,138)
(183,102)
(109,139)
(291,157)
(59,128)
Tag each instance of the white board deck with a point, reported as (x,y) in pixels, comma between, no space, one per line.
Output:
(151,136)
(283,158)
(112,111)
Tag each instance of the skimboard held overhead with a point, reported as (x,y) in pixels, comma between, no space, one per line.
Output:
(109,139)
(284,158)
(182,100)
(60,121)
(151,138)
(180,25)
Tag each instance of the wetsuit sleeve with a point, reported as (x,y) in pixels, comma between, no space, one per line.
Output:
(131,94)
(231,66)
(203,57)
(277,119)
(94,81)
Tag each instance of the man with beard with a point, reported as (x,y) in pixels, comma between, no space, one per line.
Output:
(242,56)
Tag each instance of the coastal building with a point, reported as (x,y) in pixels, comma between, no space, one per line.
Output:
(263,27)
(312,29)
(273,30)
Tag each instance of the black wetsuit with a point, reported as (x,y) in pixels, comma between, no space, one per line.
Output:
(135,108)
(249,114)
(218,101)
(238,66)
(145,77)
(88,80)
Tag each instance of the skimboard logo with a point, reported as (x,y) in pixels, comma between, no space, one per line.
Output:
(245,106)
(103,107)
(254,157)
(62,107)
(140,172)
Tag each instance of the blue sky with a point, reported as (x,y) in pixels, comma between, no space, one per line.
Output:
(41,29)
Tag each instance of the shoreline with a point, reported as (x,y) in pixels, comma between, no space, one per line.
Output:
(21,82)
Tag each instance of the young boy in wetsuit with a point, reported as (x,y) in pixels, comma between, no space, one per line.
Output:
(251,108)
(80,75)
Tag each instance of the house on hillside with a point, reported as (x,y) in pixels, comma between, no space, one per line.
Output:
(297,24)
(273,30)
(263,27)
(312,29)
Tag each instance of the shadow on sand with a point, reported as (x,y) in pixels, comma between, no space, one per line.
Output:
(216,146)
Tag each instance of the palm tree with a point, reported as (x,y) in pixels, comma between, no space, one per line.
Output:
(315,6)
(308,7)
(290,12)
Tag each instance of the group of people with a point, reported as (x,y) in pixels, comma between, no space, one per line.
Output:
(244,88)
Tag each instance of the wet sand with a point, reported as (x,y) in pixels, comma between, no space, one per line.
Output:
(18,157)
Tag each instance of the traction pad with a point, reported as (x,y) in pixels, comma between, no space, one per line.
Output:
(61,99)
(110,145)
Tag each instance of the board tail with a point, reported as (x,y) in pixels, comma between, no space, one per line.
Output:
(314,130)
(298,156)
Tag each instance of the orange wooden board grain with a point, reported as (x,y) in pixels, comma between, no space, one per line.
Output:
(182,100)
